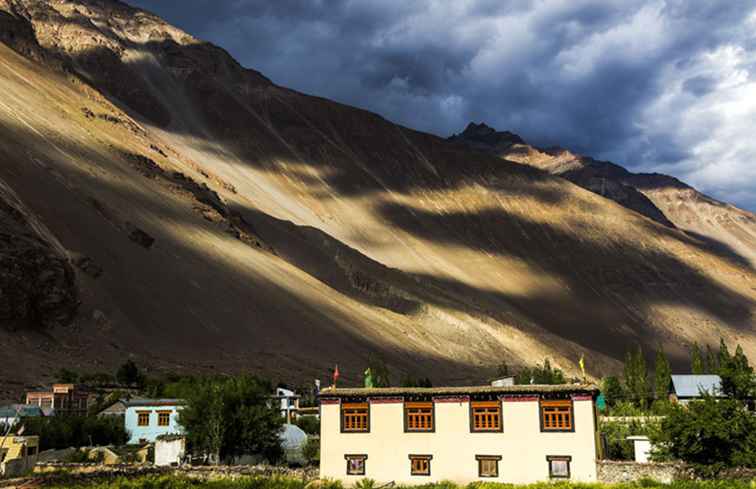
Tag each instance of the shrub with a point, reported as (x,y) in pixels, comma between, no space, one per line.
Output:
(76,431)
(711,434)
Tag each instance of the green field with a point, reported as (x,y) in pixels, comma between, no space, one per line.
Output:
(171,482)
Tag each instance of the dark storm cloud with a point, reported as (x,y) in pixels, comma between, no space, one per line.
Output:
(644,83)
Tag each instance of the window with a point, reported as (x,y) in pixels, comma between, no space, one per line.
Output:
(418,416)
(355,417)
(355,464)
(420,464)
(488,465)
(556,415)
(164,418)
(143,418)
(31,451)
(559,466)
(485,416)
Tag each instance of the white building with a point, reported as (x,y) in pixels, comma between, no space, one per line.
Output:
(515,434)
(289,403)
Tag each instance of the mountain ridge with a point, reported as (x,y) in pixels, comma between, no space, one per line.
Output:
(239,225)
(654,195)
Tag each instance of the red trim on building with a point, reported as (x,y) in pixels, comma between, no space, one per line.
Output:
(520,398)
(582,397)
(386,400)
(451,399)
(331,400)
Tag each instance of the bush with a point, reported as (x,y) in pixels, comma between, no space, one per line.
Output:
(311,451)
(308,424)
(711,435)
(618,447)
(76,431)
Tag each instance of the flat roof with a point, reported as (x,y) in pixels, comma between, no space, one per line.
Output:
(154,402)
(479,389)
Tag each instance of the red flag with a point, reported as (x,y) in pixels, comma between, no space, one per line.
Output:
(335,375)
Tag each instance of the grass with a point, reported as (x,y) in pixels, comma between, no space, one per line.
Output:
(173,482)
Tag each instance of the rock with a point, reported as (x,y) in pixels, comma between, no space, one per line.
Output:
(140,237)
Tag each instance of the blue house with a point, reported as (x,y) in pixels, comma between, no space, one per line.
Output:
(146,419)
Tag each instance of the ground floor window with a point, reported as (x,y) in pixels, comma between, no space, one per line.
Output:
(559,466)
(420,464)
(488,465)
(355,464)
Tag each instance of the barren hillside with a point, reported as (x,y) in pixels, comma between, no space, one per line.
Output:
(211,220)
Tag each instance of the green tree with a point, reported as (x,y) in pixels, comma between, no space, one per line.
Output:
(636,377)
(129,374)
(228,417)
(710,364)
(710,434)
(67,376)
(697,366)
(737,375)
(502,370)
(379,371)
(76,431)
(541,374)
(662,374)
(613,391)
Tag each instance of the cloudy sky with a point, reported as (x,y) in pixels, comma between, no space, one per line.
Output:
(665,86)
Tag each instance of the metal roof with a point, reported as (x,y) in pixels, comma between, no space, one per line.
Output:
(479,389)
(694,385)
(20,410)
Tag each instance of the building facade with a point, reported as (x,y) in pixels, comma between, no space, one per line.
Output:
(146,419)
(63,399)
(513,434)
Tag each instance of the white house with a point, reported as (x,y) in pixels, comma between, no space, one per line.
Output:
(514,434)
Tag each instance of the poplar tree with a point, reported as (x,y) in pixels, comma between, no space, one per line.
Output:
(696,360)
(636,377)
(662,374)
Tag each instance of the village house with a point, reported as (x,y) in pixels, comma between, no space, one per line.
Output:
(288,403)
(686,388)
(17,454)
(63,399)
(514,434)
(147,419)
(12,414)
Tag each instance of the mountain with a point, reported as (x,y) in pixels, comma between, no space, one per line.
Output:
(665,199)
(163,203)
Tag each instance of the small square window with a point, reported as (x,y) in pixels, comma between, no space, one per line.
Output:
(488,465)
(164,418)
(559,466)
(420,464)
(355,464)
(143,418)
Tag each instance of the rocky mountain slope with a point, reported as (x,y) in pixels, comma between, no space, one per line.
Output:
(203,218)
(667,200)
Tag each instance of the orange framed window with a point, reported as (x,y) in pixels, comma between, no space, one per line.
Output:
(488,465)
(355,417)
(420,464)
(418,416)
(164,418)
(485,416)
(557,415)
(143,418)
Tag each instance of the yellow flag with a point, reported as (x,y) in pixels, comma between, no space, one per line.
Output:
(582,364)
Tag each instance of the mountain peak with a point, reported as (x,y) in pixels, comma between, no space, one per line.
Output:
(486,138)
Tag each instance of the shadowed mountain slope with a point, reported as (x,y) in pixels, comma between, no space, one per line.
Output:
(215,221)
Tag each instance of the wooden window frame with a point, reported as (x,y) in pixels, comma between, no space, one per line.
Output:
(488,458)
(559,458)
(420,458)
(547,403)
(486,404)
(354,405)
(419,405)
(164,413)
(362,457)
(139,418)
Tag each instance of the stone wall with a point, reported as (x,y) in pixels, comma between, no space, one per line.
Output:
(610,471)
